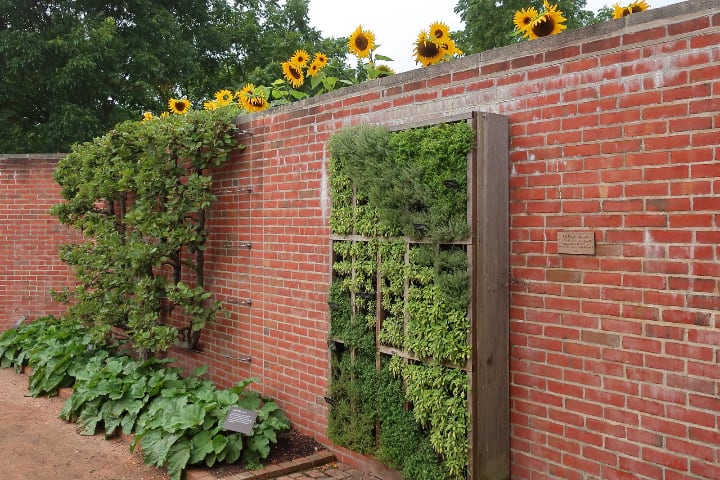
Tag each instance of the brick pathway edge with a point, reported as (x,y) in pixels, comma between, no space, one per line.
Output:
(271,471)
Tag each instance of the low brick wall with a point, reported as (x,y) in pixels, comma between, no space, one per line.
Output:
(29,236)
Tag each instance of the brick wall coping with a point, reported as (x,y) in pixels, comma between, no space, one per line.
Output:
(15,157)
(573,43)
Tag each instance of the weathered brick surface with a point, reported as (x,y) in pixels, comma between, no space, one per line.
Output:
(29,239)
(615,129)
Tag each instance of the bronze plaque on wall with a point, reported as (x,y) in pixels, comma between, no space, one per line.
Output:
(576,243)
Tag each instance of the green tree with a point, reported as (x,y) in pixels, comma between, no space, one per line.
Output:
(489,23)
(71,70)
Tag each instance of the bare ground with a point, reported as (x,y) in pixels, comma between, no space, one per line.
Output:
(35,443)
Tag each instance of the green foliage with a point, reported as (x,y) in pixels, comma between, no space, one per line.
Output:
(353,402)
(399,182)
(393,273)
(417,192)
(139,195)
(182,425)
(402,444)
(357,156)
(383,185)
(56,350)
(489,24)
(15,343)
(72,70)
(439,398)
(437,303)
(177,421)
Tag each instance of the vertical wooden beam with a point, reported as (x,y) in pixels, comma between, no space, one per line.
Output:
(490,376)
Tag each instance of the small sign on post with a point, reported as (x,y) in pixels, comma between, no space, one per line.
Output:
(240,420)
(576,243)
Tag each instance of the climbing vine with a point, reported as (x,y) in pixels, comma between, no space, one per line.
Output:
(399,297)
(140,196)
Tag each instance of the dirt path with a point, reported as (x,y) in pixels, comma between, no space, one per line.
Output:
(35,443)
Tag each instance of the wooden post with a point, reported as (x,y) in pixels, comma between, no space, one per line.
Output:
(490,376)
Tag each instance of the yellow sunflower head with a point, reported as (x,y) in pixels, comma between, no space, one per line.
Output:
(427,51)
(449,48)
(164,114)
(300,57)
(321,59)
(243,95)
(549,8)
(211,105)
(293,73)
(253,98)
(524,18)
(179,106)
(546,24)
(361,42)
(223,97)
(634,7)
(147,116)
(439,30)
(258,102)
(313,69)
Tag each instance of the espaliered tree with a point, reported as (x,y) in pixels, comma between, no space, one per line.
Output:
(139,196)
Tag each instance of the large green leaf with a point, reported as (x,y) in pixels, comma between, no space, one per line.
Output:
(178,458)
(202,445)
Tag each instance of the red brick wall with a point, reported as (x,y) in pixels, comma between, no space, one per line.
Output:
(615,130)
(29,239)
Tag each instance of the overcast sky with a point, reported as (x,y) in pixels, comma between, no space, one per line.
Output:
(396,23)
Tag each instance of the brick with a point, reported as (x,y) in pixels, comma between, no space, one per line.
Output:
(598,45)
(659,457)
(688,26)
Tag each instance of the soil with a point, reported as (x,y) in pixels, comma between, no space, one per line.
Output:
(36,443)
(290,445)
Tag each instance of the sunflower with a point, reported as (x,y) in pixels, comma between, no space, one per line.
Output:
(448,46)
(321,59)
(223,97)
(361,42)
(313,69)
(147,116)
(252,98)
(427,50)
(439,30)
(293,73)
(179,107)
(524,18)
(244,94)
(549,22)
(258,102)
(211,105)
(634,7)
(164,114)
(300,57)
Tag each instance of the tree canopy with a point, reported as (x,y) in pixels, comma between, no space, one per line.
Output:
(74,69)
(489,23)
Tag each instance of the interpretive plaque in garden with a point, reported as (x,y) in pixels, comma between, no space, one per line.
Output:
(240,420)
